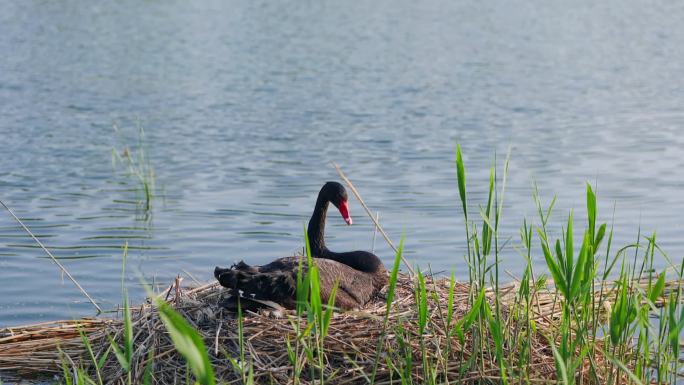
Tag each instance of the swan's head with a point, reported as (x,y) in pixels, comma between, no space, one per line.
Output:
(337,195)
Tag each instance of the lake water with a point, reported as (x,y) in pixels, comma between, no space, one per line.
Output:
(245,104)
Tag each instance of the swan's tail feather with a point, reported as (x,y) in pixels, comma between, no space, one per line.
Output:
(246,281)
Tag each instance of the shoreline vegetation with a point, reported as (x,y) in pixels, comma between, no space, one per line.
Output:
(597,314)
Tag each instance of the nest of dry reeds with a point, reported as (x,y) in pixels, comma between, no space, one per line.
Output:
(350,348)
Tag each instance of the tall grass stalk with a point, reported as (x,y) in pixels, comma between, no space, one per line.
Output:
(482,271)
(392,285)
(309,347)
(240,364)
(124,354)
(138,165)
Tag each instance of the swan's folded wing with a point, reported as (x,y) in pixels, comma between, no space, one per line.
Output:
(355,288)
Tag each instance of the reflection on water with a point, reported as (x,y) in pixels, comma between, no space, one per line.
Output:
(245,104)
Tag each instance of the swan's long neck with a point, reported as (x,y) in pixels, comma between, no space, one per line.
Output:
(316,229)
(359,260)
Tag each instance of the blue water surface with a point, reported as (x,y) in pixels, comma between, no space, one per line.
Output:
(245,104)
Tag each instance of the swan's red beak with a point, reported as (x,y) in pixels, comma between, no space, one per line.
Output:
(344,210)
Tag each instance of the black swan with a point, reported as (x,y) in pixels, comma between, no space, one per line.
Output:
(360,274)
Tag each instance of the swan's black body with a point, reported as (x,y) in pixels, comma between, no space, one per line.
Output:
(360,274)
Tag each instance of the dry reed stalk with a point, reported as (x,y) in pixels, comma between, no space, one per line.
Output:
(61,267)
(370,215)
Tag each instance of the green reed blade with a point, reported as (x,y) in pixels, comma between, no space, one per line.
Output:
(315,292)
(118,352)
(562,262)
(450,300)
(591,211)
(599,237)
(561,368)
(393,275)
(421,299)
(497,336)
(388,307)
(569,248)
(472,314)
(487,228)
(329,310)
(622,367)
(103,358)
(657,289)
(128,330)
(460,174)
(188,343)
(578,273)
(91,354)
(554,268)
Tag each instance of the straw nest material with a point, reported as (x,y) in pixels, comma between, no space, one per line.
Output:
(350,347)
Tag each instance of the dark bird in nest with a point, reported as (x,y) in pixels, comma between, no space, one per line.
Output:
(360,274)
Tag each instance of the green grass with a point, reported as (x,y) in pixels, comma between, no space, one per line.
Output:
(137,164)
(594,340)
